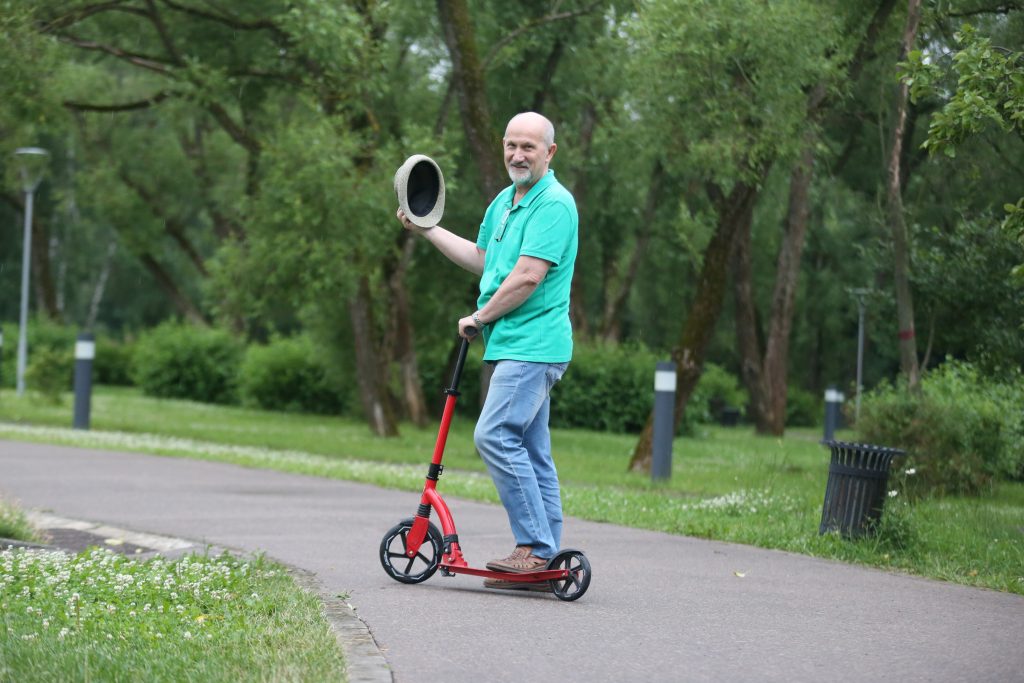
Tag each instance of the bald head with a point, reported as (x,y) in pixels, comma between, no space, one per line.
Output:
(529,144)
(535,123)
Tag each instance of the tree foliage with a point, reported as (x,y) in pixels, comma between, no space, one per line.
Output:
(231,164)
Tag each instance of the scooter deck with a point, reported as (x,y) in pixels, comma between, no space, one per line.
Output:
(539,576)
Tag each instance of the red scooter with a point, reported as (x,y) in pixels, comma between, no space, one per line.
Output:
(412,550)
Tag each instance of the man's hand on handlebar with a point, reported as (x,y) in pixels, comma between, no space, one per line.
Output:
(467,328)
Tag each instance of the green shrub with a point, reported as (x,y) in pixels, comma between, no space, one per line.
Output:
(183,361)
(49,373)
(42,334)
(962,430)
(803,408)
(716,390)
(607,388)
(113,362)
(287,375)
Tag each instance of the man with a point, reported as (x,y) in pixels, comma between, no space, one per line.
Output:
(525,253)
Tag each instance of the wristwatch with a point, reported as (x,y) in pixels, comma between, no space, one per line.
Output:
(476,319)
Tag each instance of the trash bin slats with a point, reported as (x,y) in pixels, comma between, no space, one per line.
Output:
(856,489)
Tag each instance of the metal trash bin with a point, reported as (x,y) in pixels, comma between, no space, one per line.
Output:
(857,487)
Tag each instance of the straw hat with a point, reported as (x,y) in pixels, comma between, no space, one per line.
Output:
(420,189)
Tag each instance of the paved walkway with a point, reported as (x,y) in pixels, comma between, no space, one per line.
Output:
(660,608)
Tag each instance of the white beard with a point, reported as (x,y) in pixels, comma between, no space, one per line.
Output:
(520,177)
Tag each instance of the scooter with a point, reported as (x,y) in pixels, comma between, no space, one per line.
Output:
(414,549)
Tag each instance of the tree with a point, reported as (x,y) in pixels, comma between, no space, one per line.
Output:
(722,97)
(895,213)
(989,92)
(765,354)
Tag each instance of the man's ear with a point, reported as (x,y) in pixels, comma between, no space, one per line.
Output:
(551,151)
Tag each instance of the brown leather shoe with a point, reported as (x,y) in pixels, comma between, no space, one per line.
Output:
(521,560)
(539,586)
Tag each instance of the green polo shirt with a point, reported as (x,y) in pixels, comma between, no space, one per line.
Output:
(543,224)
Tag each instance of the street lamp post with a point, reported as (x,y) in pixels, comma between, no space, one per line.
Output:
(31,164)
(861,295)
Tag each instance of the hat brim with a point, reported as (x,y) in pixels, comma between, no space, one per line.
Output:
(419,185)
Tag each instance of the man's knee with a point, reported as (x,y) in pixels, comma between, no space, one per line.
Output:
(485,441)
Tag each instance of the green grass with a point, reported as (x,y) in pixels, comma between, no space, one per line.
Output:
(15,525)
(727,484)
(98,616)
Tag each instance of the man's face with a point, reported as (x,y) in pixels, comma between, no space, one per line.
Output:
(526,155)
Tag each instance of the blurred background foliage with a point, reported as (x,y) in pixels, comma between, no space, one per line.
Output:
(229,165)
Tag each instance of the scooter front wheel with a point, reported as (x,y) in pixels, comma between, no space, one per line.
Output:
(576,584)
(399,565)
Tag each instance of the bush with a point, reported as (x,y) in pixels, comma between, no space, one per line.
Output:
(716,390)
(607,388)
(286,375)
(113,362)
(42,334)
(960,433)
(50,372)
(183,361)
(803,408)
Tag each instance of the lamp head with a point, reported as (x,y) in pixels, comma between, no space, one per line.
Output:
(31,165)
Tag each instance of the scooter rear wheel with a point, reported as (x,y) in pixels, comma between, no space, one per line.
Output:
(400,566)
(576,584)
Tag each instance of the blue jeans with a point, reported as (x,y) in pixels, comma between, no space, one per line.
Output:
(512,437)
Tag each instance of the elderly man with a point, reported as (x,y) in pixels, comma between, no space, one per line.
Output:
(524,253)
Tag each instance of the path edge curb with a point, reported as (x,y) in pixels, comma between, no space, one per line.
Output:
(364,662)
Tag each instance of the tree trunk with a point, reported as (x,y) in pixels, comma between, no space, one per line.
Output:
(734,211)
(467,73)
(577,298)
(401,345)
(42,270)
(101,284)
(172,226)
(370,374)
(181,302)
(611,321)
(787,274)
(894,214)
(748,337)
(765,367)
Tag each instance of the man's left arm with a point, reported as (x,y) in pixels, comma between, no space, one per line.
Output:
(527,274)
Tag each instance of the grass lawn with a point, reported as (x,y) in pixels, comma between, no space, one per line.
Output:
(727,484)
(98,616)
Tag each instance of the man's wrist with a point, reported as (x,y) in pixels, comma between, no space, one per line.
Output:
(476,319)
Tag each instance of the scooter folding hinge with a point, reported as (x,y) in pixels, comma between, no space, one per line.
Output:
(434,471)
(448,541)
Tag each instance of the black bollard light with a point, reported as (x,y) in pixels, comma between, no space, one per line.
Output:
(85,351)
(833,404)
(664,420)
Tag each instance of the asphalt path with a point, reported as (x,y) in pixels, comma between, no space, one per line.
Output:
(660,608)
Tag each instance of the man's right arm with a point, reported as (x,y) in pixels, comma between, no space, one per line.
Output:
(458,250)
